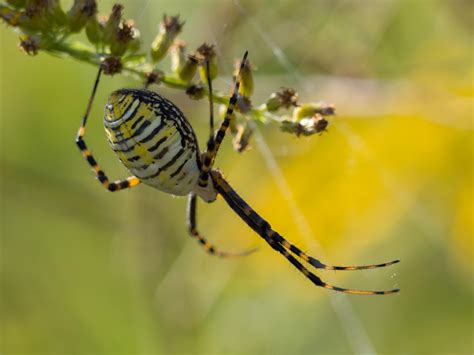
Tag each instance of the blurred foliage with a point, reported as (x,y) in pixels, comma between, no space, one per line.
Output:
(86,271)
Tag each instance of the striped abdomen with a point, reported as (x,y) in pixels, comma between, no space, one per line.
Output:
(153,139)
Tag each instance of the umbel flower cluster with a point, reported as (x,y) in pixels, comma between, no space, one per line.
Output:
(114,43)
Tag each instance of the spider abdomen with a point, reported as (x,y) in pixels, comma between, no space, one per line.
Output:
(153,139)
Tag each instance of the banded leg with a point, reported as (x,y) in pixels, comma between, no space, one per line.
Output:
(87,154)
(191,221)
(215,141)
(278,243)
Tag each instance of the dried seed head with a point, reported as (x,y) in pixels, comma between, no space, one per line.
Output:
(195,92)
(30,45)
(206,53)
(288,97)
(111,65)
(172,25)
(126,32)
(116,14)
(321,124)
(154,77)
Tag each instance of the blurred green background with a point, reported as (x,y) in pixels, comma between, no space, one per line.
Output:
(84,271)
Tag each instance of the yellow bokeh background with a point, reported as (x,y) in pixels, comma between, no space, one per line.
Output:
(87,271)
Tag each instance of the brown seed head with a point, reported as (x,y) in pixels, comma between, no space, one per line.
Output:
(171,24)
(29,45)
(126,32)
(288,97)
(111,65)
(116,14)
(205,52)
(195,92)
(154,77)
(320,123)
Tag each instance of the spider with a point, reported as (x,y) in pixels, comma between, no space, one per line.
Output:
(156,143)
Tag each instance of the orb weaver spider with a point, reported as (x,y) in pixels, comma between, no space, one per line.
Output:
(156,143)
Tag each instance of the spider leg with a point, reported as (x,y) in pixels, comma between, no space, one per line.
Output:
(87,154)
(211,102)
(275,240)
(215,141)
(191,221)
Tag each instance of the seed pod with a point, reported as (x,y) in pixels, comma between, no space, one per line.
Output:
(286,98)
(273,103)
(170,27)
(80,12)
(95,29)
(113,24)
(188,71)
(207,53)
(310,109)
(178,55)
(246,78)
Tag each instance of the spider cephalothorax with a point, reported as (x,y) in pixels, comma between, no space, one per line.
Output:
(156,143)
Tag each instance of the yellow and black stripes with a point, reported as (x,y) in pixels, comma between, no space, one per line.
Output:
(153,139)
(86,153)
(214,142)
(278,243)
(191,221)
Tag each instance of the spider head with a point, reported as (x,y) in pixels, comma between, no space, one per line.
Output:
(121,105)
(208,193)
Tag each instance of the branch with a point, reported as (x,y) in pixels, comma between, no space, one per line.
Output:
(114,43)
